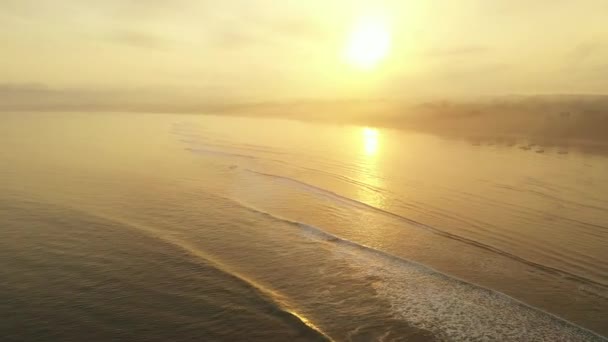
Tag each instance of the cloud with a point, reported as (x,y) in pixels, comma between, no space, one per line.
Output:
(589,50)
(41,97)
(249,29)
(586,65)
(473,71)
(140,39)
(519,7)
(463,50)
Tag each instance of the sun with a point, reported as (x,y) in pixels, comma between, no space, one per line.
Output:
(369,43)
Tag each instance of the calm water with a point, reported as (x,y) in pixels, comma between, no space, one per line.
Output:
(181,227)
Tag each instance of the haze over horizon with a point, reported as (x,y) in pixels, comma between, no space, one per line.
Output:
(176,52)
(304,170)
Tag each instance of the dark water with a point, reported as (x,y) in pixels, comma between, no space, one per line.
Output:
(171,227)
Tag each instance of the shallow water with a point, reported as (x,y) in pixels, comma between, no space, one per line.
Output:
(176,227)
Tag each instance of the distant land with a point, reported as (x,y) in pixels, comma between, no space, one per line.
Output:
(547,119)
(540,119)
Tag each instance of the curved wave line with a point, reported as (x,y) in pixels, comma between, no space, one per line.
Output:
(329,237)
(199,150)
(273,297)
(437,231)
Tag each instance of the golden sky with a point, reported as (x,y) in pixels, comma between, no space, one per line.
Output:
(275,50)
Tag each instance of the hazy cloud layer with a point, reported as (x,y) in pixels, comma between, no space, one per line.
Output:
(246,50)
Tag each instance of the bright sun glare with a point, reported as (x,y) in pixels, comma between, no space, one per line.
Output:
(370,141)
(369,43)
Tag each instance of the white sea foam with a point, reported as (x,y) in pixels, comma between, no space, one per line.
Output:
(450,308)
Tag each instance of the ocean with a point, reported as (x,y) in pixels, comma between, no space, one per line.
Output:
(178,227)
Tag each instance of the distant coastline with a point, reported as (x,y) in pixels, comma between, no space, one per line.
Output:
(545,120)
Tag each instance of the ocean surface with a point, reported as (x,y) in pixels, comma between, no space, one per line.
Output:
(159,227)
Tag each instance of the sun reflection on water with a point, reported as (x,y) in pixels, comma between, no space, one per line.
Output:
(370,141)
(369,169)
